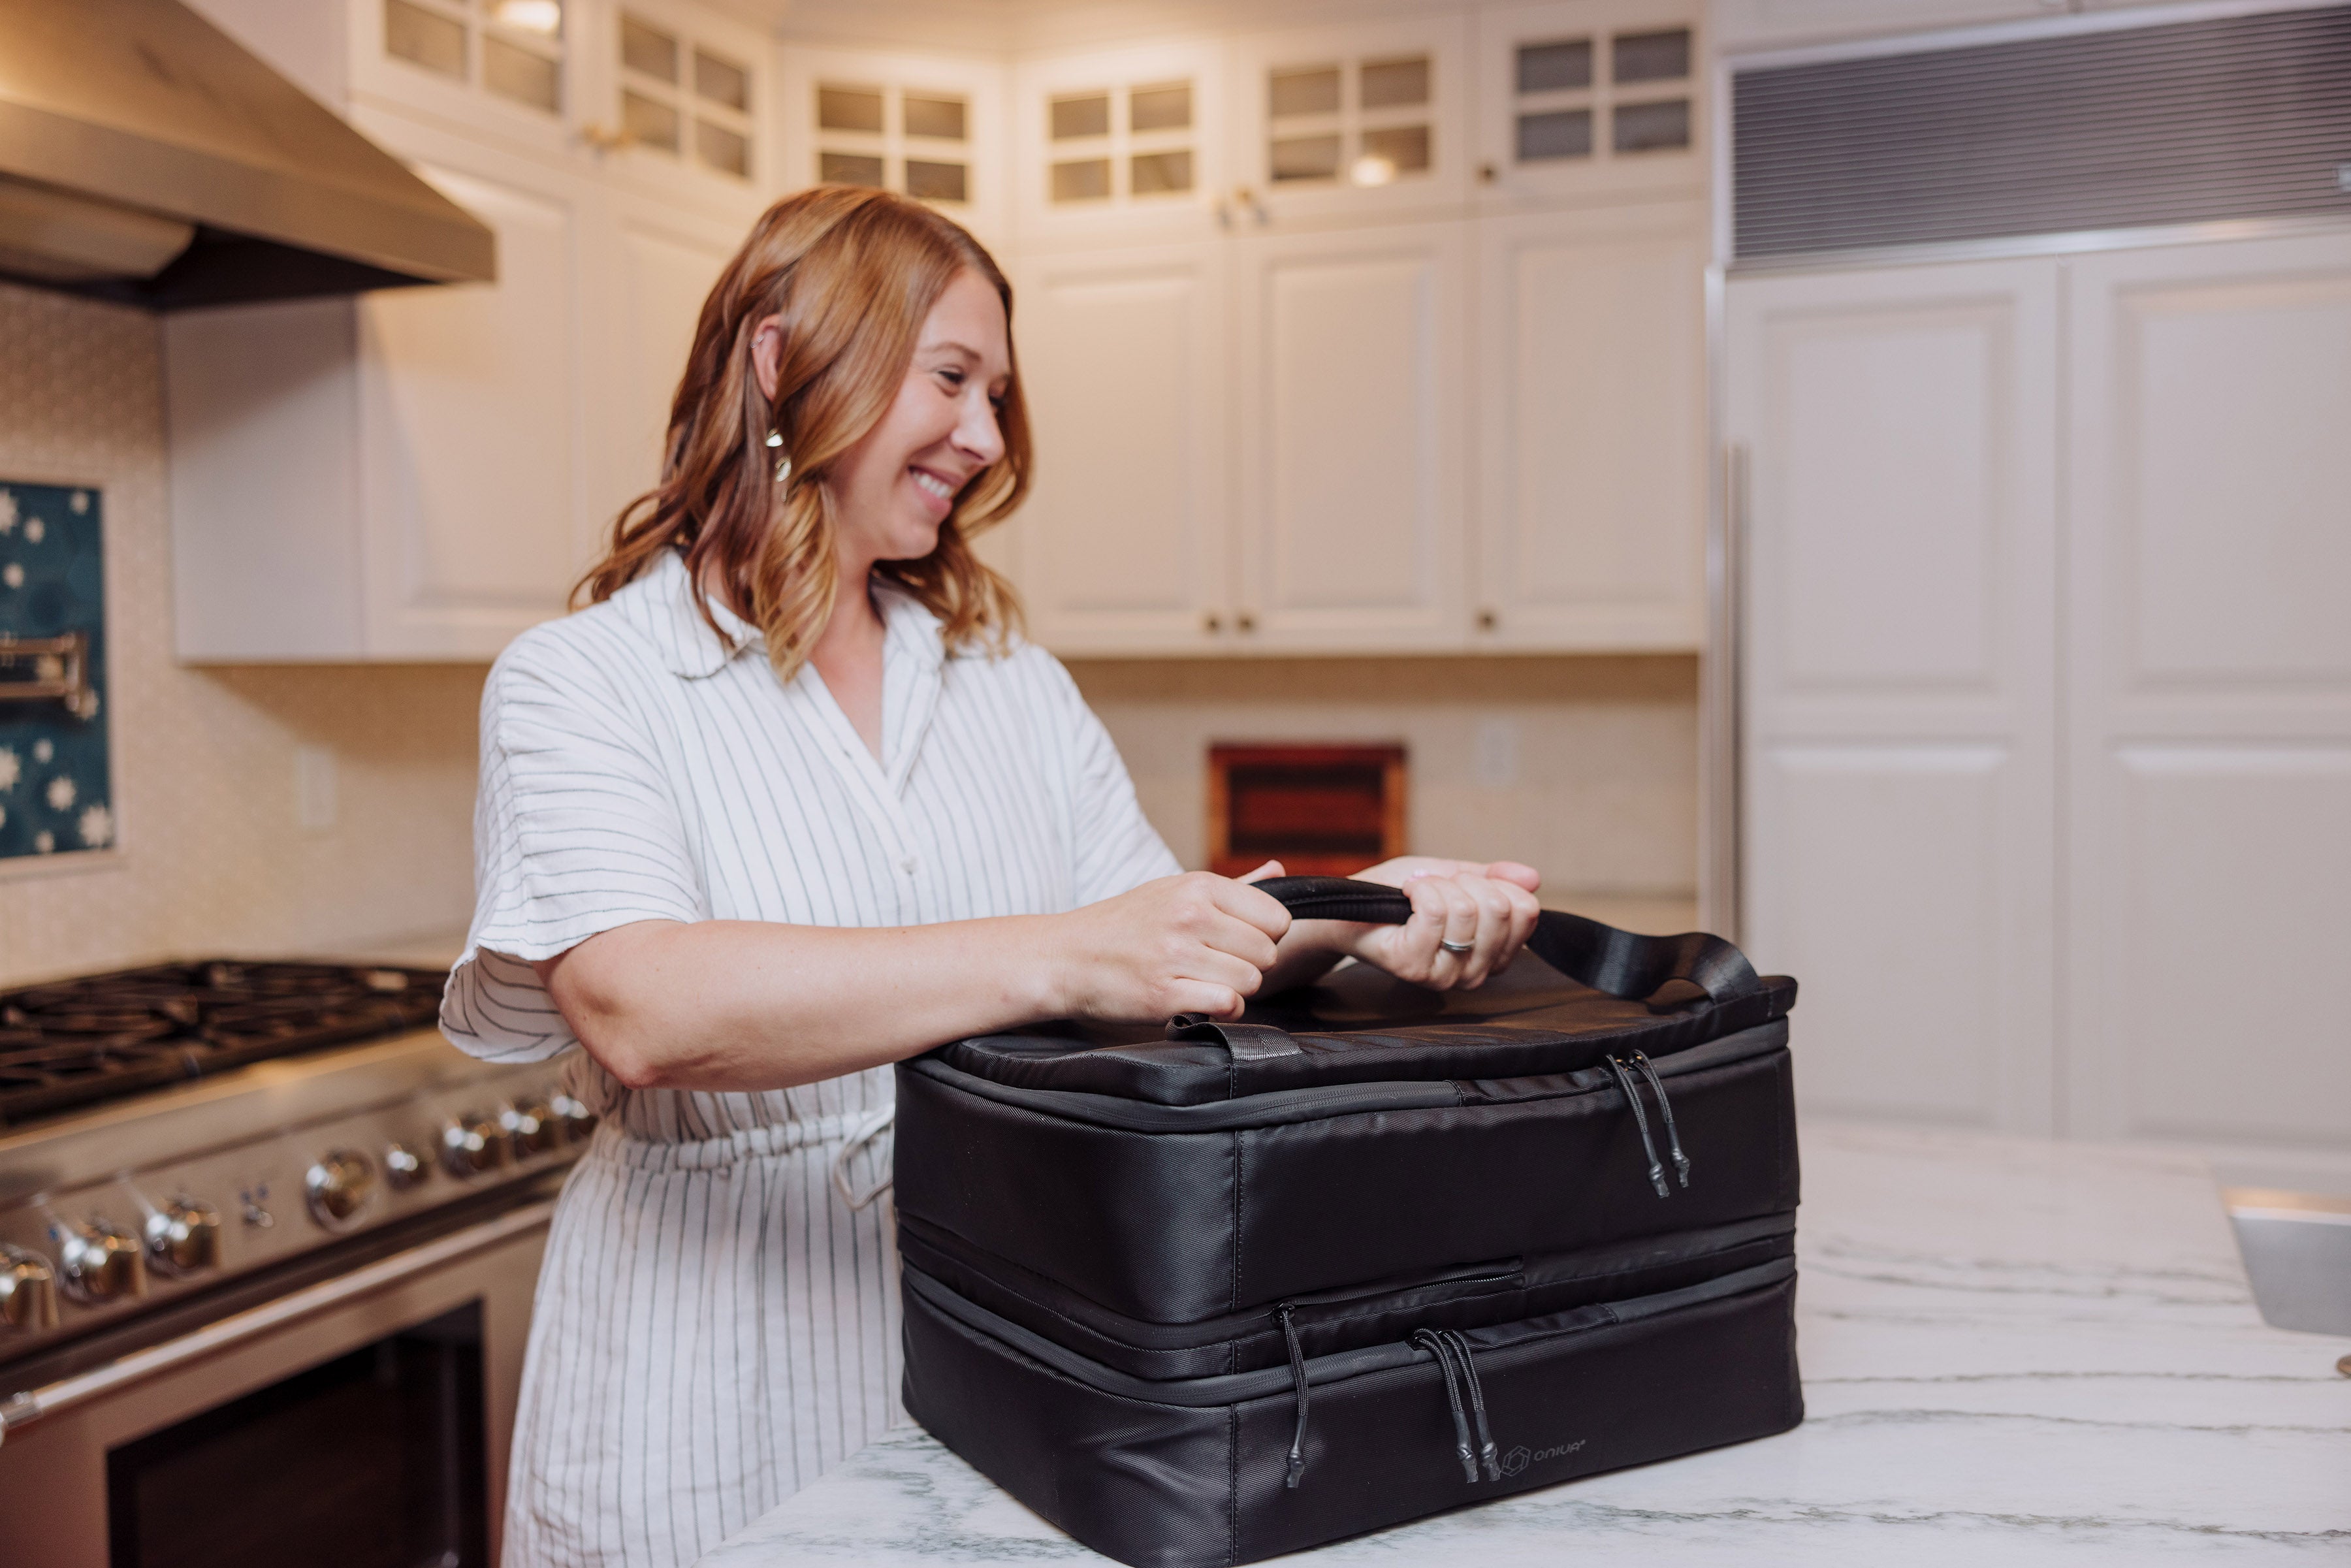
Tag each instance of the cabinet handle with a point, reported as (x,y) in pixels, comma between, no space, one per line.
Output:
(1244,619)
(607,137)
(1488,173)
(1211,621)
(1488,620)
(1248,198)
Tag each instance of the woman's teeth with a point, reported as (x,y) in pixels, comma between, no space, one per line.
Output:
(935,485)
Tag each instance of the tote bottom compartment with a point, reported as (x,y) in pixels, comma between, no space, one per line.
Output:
(1194,1474)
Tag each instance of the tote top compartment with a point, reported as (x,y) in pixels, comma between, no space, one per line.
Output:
(1580,993)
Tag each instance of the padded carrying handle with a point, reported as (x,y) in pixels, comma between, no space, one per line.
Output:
(1600,956)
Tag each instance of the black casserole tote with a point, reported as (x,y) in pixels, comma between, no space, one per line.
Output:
(1210,1297)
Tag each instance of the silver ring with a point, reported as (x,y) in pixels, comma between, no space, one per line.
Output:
(1464,948)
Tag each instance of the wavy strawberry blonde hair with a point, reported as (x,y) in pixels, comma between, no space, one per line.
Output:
(853,273)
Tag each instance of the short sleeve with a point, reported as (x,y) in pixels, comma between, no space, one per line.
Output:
(576,830)
(1117,848)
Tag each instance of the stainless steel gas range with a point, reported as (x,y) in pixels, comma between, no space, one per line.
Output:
(267,1244)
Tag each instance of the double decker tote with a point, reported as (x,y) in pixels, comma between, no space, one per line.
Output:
(1215,1294)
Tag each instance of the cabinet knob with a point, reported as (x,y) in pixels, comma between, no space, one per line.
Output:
(1245,620)
(1488,620)
(608,138)
(1488,173)
(1211,621)
(575,1120)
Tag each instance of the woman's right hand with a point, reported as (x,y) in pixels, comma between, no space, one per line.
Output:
(1190,944)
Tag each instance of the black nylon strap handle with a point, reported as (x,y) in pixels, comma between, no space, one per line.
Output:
(1600,956)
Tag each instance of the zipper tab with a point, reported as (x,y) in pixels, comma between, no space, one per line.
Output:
(1460,1344)
(1641,1120)
(1297,1466)
(1433,1342)
(1665,1109)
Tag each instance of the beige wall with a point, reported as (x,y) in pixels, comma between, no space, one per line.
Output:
(1600,795)
(212,858)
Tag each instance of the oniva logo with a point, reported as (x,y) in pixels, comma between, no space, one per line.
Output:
(1516,1462)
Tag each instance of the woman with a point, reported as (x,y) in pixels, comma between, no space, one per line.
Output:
(745,885)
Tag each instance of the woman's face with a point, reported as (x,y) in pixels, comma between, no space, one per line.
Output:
(894,488)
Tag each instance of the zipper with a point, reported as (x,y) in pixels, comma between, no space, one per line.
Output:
(1297,1466)
(1435,1344)
(1666,1110)
(1641,1120)
(1453,1357)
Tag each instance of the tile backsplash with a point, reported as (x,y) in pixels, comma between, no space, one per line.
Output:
(213,852)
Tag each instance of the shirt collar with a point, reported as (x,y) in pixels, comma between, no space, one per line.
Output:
(660,604)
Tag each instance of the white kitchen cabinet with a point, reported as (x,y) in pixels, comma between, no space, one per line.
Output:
(1122,146)
(501,71)
(1592,475)
(1899,529)
(653,267)
(462,449)
(677,100)
(1122,545)
(1367,122)
(2208,498)
(1352,386)
(2048,685)
(1591,100)
(929,126)
(457,420)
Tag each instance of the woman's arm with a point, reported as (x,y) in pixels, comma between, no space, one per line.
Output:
(749,1005)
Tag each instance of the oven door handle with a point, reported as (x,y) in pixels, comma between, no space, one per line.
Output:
(22,1409)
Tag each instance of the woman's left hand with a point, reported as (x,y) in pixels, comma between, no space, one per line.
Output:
(1485,907)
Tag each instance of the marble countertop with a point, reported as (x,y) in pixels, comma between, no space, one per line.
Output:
(2014,1352)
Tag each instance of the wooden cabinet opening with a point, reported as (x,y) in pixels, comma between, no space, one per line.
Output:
(1320,810)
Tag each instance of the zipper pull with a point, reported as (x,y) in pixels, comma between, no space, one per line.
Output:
(1460,1344)
(1665,1109)
(1641,1120)
(1432,1341)
(1298,1379)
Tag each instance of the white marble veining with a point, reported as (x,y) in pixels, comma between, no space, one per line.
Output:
(2015,1352)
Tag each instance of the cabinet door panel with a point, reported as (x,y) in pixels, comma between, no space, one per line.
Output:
(1351,404)
(468,462)
(1591,422)
(2209,691)
(1365,122)
(1113,146)
(1898,698)
(1585,100)
(662,265)
(1121,542)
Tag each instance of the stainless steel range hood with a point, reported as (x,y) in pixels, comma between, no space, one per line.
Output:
(145,156)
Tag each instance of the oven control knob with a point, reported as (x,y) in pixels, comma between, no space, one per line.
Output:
(184,1237)
(473,1146)
(29,1291)
(405,1166)
(339,1187)
(102,1262)
(575,1120)
(530,1126)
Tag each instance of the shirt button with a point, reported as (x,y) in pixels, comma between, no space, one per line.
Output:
(910,866)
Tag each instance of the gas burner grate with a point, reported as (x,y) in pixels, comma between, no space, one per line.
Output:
(77,1043)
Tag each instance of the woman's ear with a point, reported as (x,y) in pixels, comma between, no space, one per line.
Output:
(767,354)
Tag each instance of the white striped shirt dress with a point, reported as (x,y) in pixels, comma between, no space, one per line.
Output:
(717,1324)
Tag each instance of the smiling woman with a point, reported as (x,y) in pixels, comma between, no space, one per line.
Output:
(735,888)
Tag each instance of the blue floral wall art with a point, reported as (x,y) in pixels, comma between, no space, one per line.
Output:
(57,782)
